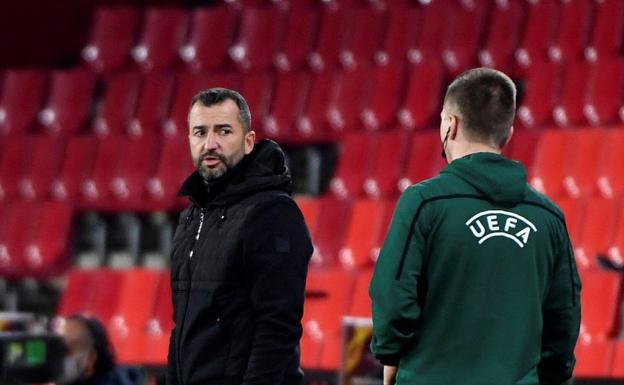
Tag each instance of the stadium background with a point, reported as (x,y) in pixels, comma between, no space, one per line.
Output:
(93,99)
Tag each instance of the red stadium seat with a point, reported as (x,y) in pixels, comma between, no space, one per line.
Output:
(434,28)
(47,250)
(327,300)
(540,95)
(310,208)
(548,168)
(363,233)
(118,103)
(257,88)
(503,35)
(593,357)
(330,230)
(387,164)
(353,165)
(401,30)
(104,294)
(160,324)
(298,38)
(75,296)
(173,167)
(600,303)
(573,210)
(12,161)
(288,103)
(15,229)
(610,175)
(153,103)
(522,148)
(361,36)
(329,36)
(22,96)
(211,33)
(361,303)
(76,167)
(385,94)
(539,32)
(608,31)
(605,97)
(616,248)
(464,38)
(573,33)
(597,229)
(423,159)
(96,188)
(574,89)
(112,36)
(258,38)
(187,86)
(41,167)
(583,161)
(163,33)
(618,359)
(345,104)
(69,102)
(312,122)
(421,106)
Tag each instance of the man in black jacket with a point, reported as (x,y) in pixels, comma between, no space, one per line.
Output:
(239,257)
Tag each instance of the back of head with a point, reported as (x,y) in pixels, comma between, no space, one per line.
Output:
(485,100)
(97,339)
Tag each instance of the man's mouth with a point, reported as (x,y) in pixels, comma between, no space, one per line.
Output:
(211,161)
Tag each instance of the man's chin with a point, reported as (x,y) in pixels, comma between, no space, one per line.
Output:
(211,174)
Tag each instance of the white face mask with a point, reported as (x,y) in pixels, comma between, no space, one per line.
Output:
(73,367)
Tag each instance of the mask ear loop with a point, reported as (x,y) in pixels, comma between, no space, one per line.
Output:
(444,143)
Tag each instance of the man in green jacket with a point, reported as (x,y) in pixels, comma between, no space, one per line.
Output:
(476,282)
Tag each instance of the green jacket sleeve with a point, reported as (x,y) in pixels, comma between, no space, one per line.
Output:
(561,319)
(393,289)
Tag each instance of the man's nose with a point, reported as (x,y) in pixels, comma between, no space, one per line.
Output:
(211,142)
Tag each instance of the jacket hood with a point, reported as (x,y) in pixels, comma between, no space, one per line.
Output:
(263,169)
(497,178)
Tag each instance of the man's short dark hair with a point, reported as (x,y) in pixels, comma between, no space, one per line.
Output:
(485,99)
(214,96)
(105,361)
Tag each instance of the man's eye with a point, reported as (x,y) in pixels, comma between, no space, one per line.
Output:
(199,133)
(224,131)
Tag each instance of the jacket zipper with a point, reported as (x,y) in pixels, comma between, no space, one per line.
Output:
(188,294)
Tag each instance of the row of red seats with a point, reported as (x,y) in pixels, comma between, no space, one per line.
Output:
(599,358)
(290,36)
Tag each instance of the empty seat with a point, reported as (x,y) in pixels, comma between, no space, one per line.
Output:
(78,159)
(257,39)
(363,233)
(423,158)
(346,101)
(172,168)
(187,85)
(387,164)
(12,161)
(288,103)
(433,32)
(360,302)
(75,295)
(600,302)
(153,104)
(159,325)
(421,106)
(573,210)
(95,188)
(548,169)
(616,247)
(380,107)
(69,103)
(608,30)
(539,31)
(593,357)
(353,165)
(103,294)
(401,31)
(573,33)
(41,167)
(113,32)
(329,232)
(460,48)
(47,250)
(362,36)
(597,230)
(604,97)
(618,359)
(162,35)
(15,230)
(610,177)
(21,99)
(582,162)
(312,122)
(115,110)
(574,89)
(503,34)
(542,84)
(310,208)
(211,33)
(257,88)
(300,30)
(326,50)
(522,148)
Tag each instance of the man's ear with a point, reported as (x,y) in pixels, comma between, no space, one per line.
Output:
(453,126)
(511,132)
(250,141)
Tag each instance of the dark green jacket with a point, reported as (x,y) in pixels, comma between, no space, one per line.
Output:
(476,282)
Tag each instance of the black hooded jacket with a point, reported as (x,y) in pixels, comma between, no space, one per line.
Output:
(238,271)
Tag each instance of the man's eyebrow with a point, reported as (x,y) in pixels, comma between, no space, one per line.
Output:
(199,127)
(224,125)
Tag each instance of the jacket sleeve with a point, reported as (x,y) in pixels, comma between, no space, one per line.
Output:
(561,319)
(393,290)
(277,249)
(172,377)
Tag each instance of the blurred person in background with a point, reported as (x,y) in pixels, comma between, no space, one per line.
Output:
(476,282)
(240,255)
(89,359)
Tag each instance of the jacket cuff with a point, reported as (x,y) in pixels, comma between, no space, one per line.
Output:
(389,360)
